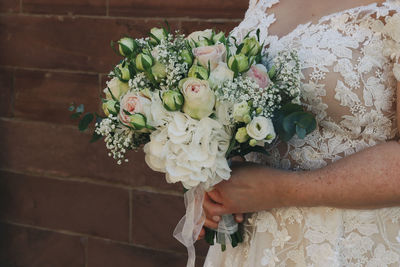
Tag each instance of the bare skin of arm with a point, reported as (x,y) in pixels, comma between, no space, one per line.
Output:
(366,180)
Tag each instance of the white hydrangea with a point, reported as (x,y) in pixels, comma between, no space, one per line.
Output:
(190,151)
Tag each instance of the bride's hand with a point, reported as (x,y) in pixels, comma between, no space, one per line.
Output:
(251,188)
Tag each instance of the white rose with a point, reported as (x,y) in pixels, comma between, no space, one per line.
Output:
(133,103)
(117,88)
(199,98)
(220,75)
(259,74)
(260,128)
(199,36)
(241,111)
(213,54)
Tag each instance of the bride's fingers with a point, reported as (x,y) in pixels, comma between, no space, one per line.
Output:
(210,224)
(202,234)
(214,196)
(212,209)
(239,217)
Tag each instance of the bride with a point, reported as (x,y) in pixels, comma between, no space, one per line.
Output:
(332,199)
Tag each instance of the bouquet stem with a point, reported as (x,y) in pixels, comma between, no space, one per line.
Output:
(228,229)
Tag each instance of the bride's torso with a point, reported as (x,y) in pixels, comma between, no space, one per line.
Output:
(348,79)
(349,84)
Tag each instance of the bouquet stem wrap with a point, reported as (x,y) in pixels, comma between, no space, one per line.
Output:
(189,227)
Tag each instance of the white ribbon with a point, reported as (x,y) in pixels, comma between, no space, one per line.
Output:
(226,227)
(189,227)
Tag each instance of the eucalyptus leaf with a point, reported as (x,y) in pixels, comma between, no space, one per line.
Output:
(80,108)
(300,131)
(76,115)
(85,121)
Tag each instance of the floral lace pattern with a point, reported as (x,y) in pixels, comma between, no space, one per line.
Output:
(350,71)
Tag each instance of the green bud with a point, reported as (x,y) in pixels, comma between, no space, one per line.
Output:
(157,34)
(181,82)
(158,71)
(238,63)
(186,57)
(138,121)
(198,72)
(111,106)
(251,47)
(172,100)
(143,62)
(246,119)
(258,110)
(126,46)
(270,137)
(253,142)
(241,135)
(219,38)
(272,72)
(123,74)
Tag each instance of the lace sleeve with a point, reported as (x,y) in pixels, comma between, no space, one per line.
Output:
(392,43)
(256,18)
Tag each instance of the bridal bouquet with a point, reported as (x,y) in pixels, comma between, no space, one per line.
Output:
(194,102)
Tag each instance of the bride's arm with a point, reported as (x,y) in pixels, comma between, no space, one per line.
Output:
(365,180)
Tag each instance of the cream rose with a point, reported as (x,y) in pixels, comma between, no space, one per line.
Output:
(261,128)
(199,37)
(259,74)
(199,98)
(133,103)
(220,75)
(213,54)
(117,88)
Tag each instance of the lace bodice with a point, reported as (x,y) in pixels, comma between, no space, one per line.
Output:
(350,79)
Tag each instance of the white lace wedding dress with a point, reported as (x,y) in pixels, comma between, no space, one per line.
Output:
(349,68)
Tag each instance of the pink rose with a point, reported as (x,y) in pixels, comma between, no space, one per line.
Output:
(214,53)
(133,103)
(259,74)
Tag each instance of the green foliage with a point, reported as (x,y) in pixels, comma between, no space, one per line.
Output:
(291,120)
(85,121)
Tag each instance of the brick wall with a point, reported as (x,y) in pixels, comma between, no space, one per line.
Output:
(63,202)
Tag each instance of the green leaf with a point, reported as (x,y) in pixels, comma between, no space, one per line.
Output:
(85,121)
(76,115)
(308,122)
(300,131)
(80,108)
(71,108)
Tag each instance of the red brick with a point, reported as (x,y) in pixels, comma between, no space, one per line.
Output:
(6,92)
(105,254)
(46,96)
(154,219)
(21,246)
(74,43)
(179,8)
(65,152)
(191,26)
(90,7)
(63,205)
(9,6)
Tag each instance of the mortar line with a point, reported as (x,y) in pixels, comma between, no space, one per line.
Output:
(185,19)
(53,70)
(130,239)
(76,234)
(93,181)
